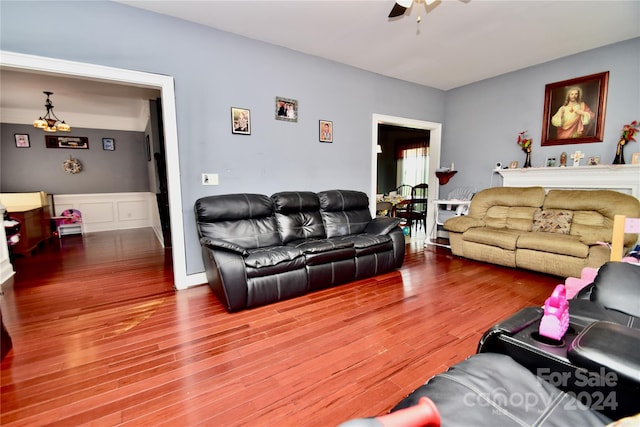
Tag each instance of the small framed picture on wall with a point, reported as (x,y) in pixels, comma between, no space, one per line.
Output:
(22,140)
(108,144)
(326,131)
(286,109)
(240,121)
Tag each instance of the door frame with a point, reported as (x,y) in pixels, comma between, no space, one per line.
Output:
(136,78)
(435,139)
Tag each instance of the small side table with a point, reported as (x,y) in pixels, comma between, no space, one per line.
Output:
(450,203)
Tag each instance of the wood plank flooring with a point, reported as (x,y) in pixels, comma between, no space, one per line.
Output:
(101,338)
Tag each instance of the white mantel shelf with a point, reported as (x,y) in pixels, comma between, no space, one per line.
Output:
(623,178)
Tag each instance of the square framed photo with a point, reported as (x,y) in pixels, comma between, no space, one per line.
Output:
(22,140)
(286,109)
(240,121)
(551,162)
(593,161)
(574,110)
(108,144)
(513,164)
(325,131)
(635,159)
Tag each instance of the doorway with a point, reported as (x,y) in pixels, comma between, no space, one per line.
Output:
(435,133)
(165,85)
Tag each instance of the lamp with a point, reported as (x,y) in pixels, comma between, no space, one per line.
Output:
(50,122)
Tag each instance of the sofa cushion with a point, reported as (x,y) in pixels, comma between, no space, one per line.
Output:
(460,224)
(368,243)
(555,243)
(344,212)
(246,220)
(552,221)
(268,257)
(501,237)
(298,215)
(591,227)
(594,211)
(514,217)
(617,287)
(505,196)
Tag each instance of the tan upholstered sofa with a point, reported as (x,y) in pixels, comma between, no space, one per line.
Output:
(555,232)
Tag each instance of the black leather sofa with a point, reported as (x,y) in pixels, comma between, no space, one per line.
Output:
(258,249)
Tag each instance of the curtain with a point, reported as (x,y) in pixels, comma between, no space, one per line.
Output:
(413,164)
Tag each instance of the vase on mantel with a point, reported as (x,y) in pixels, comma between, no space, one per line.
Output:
(619,159)
(527,160)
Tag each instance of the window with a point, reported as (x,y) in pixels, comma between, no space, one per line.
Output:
(413,164)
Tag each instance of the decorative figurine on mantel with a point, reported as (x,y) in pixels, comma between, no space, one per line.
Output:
(576,158)
(563,159)
(525,144)
(628,131)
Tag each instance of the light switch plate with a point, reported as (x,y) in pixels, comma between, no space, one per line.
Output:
(209,179)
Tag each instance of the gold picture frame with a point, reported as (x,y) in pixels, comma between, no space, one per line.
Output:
(574,110)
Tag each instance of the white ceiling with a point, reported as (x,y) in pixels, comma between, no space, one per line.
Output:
(458,42)
(79,102)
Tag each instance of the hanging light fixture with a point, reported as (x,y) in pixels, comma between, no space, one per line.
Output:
(50,122)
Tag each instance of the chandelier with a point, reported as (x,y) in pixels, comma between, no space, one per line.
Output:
(50,122)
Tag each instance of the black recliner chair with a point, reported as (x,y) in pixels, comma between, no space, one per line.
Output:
(598,359)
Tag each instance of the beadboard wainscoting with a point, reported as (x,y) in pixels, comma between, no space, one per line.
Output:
(112,211)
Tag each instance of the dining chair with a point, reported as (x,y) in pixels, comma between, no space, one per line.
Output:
(403,190)
(419,197)
(384,208)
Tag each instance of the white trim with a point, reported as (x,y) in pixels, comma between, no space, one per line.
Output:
(435,130)
(166,86)
(623,178)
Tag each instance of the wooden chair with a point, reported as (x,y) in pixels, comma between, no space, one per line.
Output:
(404,190)
(621,226)
(419,194)
(414,210)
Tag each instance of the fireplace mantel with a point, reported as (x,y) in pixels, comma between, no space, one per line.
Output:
(623,178)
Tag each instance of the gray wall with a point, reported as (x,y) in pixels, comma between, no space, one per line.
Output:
(482,120)
(215,71)
(39,168)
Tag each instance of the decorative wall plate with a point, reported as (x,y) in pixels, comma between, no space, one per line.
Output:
(72,166)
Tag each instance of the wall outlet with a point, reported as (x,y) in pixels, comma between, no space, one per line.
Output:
(209,179)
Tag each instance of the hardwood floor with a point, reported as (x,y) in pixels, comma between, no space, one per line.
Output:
(101,338)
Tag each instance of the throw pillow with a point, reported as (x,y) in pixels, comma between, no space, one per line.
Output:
(552,221)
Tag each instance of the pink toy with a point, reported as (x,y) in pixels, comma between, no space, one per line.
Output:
(555,322)
(573,285)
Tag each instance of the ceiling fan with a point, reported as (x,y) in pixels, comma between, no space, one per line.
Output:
(401,7)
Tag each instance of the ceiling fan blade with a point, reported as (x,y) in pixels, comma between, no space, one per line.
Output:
(397,10)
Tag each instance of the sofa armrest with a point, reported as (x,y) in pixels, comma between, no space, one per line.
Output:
(381,225)
(224,245)
(460,224)
(609,345)
(596,237)
(511,326)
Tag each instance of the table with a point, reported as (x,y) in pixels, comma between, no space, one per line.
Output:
(35,227)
